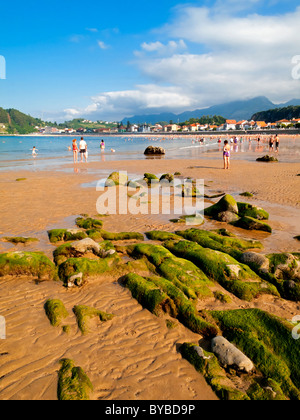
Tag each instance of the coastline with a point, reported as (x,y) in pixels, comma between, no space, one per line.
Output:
(135,356)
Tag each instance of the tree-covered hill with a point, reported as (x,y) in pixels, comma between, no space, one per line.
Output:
(18,123)
(274,115)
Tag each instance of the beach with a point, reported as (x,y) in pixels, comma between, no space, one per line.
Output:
(134,356)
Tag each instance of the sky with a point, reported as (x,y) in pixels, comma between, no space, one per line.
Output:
(110,60)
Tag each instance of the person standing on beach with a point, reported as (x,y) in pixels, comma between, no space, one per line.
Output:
(75,151)
(34,150)
(226,155)
(271,144)
(277,141)
(102,145)
(83,149)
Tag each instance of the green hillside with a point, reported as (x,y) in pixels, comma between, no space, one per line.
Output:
(17,123)
(274,115)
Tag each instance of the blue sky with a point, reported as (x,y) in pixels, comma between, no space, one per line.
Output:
(110,60)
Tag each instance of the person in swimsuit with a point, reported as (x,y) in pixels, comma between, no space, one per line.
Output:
(271,144)
(102,145)
(75,151)
(277,141)
(226,155)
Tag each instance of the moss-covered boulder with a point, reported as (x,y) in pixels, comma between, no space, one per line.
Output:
(122,236)
(65,235)
(226,210)
(246,209)
(55,311)
(116,178)
(84,248)
(149,295)
(76,271)
(89,223)
(159,235)
(184,274)
(150,179)
(267,340)
(85,313)
(167,178)
(31,264)
(19,240)
(73,383)
(207,364)
(231,245)
(249,223)
(235,277)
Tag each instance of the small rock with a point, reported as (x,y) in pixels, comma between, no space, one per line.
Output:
(230,356)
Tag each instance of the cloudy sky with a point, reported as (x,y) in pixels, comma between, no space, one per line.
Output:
(109,61)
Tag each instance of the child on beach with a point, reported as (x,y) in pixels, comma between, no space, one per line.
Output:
(75,151)
(34,150)
(102,145)
(226,155)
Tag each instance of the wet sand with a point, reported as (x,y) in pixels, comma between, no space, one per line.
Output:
(134,356)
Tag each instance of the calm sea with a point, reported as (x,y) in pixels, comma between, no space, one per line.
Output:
(16,152)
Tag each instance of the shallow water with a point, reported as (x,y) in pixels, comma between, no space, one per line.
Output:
(16,151)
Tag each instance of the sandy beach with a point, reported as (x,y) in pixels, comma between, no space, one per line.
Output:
(135,356)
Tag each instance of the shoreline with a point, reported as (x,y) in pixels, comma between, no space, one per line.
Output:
(135,356)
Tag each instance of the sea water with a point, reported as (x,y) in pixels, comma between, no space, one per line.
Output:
(16,151)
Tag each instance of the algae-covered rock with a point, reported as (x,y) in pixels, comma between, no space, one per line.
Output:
(19,240)
(121,236)
(65,235)
(149,295)
(55,311)
(184,274)
(85,313)
(82,248)
(207,364)
(231,245)
(150,179)
(32,264)
(226,210)
(266,389)
(89,223)
(258,262)
(116,178)
(246,209)
(85,267)
(158,235)
(249,223)
(167,178)
(268,342)
(230,356)
(73,383)
(235,277)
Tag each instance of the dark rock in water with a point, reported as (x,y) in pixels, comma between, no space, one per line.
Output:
(267,158)
(152,150)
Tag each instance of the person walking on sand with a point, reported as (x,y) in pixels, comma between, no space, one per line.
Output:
(83,149)
(75,151)
(226,155)
(277,141)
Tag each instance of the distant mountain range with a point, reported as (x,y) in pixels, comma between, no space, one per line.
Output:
(237,110)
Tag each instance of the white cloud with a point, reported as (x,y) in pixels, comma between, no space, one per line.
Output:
(102,45)
(206,56)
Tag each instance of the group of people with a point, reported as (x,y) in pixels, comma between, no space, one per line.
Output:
(273,142)
(82,150)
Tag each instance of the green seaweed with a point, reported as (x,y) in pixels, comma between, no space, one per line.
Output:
(34,264)
(55,311)
(267,340)
(73,383)
(85,313)
(246,209)
(235,277)
(231,245)
(214,375)
(250,223)
(65,235)
(89,223)
(19,240)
